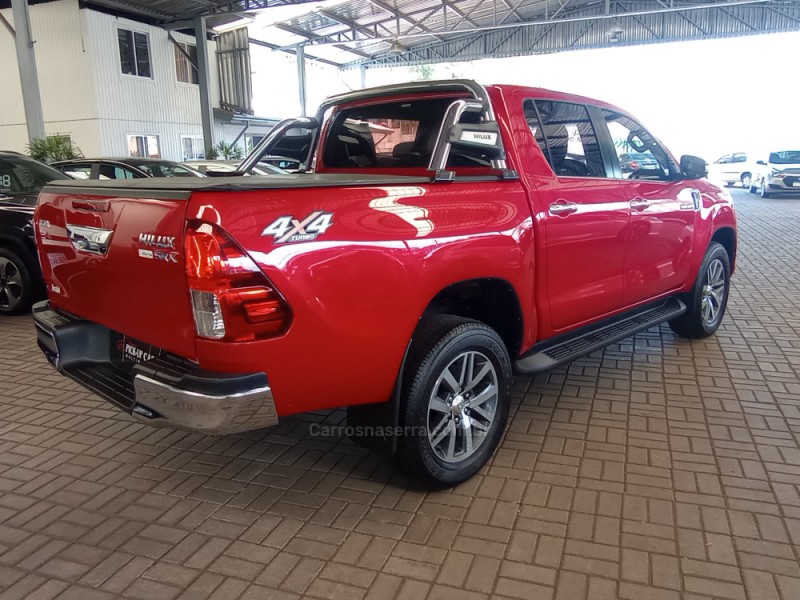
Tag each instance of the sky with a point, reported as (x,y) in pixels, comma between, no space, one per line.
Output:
(706,98)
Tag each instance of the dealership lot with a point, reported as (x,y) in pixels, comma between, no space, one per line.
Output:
(657,468)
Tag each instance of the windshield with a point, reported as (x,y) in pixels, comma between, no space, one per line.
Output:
(162,169)
(786,157)
(24,175)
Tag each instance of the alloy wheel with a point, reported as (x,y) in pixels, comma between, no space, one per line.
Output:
(462,406)
(10,285)
(713,295)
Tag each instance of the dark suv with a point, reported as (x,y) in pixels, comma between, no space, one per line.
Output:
(21,178)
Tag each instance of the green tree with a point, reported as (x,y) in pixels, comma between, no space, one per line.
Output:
(225,151)
(422,71)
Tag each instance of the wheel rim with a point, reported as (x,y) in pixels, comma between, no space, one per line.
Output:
(746,181)
(10,285)
(462,406)
(713,298)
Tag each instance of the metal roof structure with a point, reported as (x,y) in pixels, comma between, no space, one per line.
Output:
(373,33)
(406,32)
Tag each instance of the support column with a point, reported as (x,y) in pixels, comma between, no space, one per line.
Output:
(363,69)
(28,76)
(204,81)
(301,78)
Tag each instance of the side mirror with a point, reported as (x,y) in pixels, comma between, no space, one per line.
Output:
(478,139)
(761,162)
(693,167)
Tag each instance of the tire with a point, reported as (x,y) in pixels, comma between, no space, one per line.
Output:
(16,284)
(448,436)
(764,189)
(746,180)
(708,300)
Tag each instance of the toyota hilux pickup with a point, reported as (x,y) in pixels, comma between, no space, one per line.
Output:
(440,237)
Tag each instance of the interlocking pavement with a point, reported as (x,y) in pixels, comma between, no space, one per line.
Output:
(658,469)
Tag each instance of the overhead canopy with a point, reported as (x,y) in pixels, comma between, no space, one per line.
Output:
(391,32)
(402,32)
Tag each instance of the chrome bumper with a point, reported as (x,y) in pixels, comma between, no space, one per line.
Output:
(166,391)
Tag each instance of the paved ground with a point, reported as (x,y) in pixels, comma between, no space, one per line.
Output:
(659,469)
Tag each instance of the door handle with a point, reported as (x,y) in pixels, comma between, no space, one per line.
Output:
(563,208)
(639,203)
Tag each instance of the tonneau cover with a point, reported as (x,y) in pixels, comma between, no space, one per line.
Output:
(178,188)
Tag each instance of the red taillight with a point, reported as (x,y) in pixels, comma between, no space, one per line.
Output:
(634,165)
(232,299)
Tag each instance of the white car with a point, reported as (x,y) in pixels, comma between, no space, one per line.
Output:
(780,174)
(733,168)
(229,166)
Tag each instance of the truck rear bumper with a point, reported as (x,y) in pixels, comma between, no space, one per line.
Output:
(165,391)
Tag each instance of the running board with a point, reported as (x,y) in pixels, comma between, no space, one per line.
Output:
(553,353)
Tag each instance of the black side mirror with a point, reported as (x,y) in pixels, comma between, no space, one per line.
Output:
(761,162)
(693,167)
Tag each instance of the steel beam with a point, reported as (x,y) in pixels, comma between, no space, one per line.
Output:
(28,76)
(204,83)
(301,78)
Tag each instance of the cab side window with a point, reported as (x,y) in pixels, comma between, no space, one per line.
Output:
(639,155)
(566,136)
(724,160)
(739,157)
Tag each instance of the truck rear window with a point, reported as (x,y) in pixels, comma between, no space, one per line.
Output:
(396,134)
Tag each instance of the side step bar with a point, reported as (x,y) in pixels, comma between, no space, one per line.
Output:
(553,353)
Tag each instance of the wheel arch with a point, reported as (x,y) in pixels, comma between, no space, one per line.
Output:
(726,236)
(492,301)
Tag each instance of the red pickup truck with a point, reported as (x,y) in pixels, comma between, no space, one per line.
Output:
(443,235)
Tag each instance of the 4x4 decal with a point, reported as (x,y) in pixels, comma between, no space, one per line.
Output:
(289,229)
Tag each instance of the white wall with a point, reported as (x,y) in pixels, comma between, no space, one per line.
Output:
(65,78)
(160,105)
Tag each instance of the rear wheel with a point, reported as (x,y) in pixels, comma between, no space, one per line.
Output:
(16,293)
(709,298)
(747,179)
(456,400)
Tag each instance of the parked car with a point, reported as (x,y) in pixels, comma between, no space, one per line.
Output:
(230,166)
(736,167)
(21,179)
(284,163)
(779,174)
(406,293)
(123,168)
(630,162)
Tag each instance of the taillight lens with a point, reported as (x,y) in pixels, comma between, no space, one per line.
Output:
(232,299)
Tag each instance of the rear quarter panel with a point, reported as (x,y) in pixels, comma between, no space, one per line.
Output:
(358,290)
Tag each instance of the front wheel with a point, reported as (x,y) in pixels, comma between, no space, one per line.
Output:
(456,400)
(709,298)
(16,289)
(764,189)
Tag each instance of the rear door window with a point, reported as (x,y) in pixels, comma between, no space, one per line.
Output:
(566,135)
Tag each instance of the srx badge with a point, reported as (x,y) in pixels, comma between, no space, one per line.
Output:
(289,229)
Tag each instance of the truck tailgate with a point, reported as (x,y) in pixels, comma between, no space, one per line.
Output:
(118,261)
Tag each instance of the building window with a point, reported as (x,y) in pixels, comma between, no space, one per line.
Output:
(251,140)
(144,146)
(134,53)
(193,147)
(186,62)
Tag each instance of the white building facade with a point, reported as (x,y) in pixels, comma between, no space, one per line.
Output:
(115,86)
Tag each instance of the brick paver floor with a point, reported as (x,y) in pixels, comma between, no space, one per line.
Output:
(656,470)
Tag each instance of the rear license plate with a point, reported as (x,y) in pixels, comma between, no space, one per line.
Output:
(130,351)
